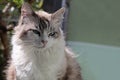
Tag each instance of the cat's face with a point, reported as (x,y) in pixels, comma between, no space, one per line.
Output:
(40,30)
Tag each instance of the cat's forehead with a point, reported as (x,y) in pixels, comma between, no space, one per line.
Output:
(39,21)
(40,25)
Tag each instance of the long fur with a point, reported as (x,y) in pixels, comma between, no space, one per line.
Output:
(33,63)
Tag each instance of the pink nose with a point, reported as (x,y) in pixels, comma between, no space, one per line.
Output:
(44,42)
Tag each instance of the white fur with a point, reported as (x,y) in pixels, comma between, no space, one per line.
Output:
(38,64)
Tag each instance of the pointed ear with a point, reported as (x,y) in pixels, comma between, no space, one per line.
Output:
(58,15)
(26,9)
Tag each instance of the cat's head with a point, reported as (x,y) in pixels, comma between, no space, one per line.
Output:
(39,29)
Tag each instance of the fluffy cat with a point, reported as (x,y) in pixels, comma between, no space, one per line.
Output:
(39,51)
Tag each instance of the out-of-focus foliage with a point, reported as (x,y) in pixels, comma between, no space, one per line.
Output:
(18,2)
(13,9)
(35,3)
(39,4)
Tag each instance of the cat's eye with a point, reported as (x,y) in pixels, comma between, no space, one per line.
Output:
(53,34)
(35,31)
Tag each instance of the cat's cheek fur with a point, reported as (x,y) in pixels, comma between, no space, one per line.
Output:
(52,59)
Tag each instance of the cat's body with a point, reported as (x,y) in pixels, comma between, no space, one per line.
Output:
(39,53)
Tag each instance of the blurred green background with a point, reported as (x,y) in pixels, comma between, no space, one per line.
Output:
(95,21)
(94,34)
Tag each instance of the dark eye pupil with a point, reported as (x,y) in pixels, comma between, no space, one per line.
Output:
(36,32)
(53,34)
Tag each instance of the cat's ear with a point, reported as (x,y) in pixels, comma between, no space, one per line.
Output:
(26,9)
(58,15)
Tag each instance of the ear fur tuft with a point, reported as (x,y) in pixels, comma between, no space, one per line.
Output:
(58,14)
(26,9)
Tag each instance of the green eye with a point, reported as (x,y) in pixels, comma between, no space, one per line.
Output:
(53,34)
(35,31)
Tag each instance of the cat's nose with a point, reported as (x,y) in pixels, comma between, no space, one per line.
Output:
(44,42)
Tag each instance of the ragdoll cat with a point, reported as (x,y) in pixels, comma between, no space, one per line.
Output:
(39,51)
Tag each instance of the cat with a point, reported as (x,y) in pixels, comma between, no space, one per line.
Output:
(39,51)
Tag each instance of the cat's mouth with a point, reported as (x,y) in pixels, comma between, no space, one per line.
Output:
(40,46)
